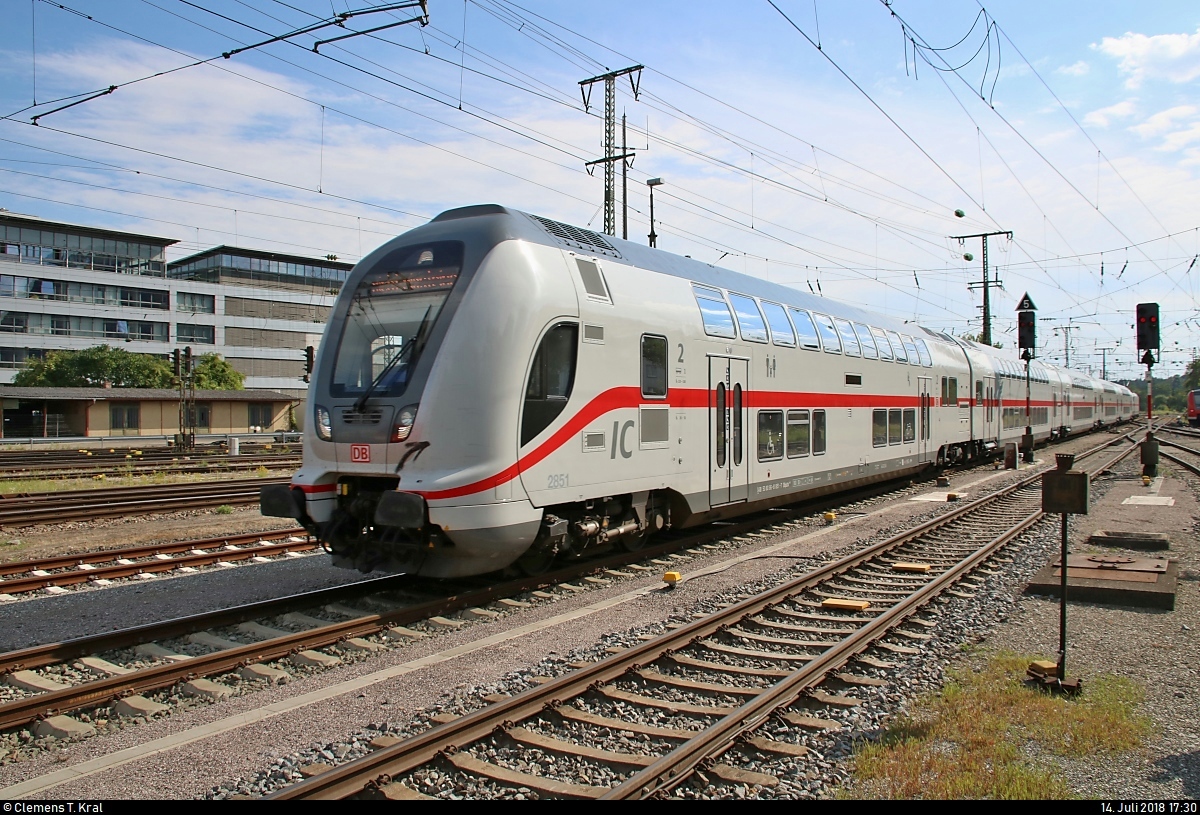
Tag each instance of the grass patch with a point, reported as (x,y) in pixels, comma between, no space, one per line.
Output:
(976,738)
(225,509)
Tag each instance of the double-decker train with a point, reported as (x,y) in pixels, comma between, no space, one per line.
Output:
(497,388)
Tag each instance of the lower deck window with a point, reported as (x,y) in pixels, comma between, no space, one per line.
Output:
(770,435)
(879,429)
(797,433)
(818,432)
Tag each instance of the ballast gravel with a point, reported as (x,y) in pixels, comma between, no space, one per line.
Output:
(255,760)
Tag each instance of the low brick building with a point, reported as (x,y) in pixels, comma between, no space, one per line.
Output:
(67,412)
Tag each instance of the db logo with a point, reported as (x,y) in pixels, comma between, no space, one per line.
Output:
(360,453)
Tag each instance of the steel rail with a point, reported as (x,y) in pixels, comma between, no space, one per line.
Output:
(380,767)
(91,504)
(69,497)
(117,571)
(144,468)
(147,550)
(1187,465)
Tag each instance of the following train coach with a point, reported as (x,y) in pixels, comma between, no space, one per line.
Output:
(497,389)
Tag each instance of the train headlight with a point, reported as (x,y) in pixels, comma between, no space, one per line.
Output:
(404,423)
(324,427)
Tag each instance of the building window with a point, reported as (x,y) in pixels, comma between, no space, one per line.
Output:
(14,322)
(200,415)
(200,334)
(144,298)
(124,419)
(260,414)
(195,303)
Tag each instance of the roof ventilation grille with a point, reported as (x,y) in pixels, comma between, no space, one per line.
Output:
(578,238)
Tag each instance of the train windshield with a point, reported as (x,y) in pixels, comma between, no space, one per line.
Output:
(390,317)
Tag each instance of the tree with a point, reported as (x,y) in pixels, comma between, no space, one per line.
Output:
(213,373)
(96,367)
(1191,376)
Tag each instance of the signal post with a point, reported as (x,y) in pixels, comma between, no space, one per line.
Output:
(1027,342)
(1148,341)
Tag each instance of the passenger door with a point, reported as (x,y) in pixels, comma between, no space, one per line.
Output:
(989,408)
(728,465)
(925,402)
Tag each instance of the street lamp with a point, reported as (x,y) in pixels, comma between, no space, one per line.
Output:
(652,183)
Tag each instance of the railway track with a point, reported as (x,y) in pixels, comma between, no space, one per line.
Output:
(22,576)
(85,505)
(713,682)
(1190,461)
(265,640)
(136,466)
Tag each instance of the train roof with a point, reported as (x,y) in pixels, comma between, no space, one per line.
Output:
(538,229)
(500,223)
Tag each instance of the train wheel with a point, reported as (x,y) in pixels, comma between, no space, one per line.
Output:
(535,562)
(634,542)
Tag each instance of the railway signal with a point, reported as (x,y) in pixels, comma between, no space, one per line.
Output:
(1147,326)
(1026,331)
(1147,340)
(1027,341)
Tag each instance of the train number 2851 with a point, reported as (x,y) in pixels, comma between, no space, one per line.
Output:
(557,481)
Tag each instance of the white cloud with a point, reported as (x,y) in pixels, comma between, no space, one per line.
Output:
(1173,57)
(1103,116)
(1184,137)
(1078,69)
(1163,121)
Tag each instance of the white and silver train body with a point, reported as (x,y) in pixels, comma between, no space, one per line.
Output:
(495,387)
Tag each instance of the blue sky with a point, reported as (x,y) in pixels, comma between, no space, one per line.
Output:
(1074,125)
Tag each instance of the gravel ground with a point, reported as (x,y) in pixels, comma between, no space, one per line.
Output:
(128,603)
(259,756)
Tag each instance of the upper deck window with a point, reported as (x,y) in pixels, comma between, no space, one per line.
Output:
(805,329)
(714,311)
(867,341)
(749,318)
(923,353)
(781,329)
(849,340)
(829,335)
(898,348)
(881,342)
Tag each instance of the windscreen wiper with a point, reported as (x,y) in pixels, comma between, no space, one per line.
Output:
(399,355)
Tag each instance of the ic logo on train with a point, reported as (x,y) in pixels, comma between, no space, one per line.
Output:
(360,453)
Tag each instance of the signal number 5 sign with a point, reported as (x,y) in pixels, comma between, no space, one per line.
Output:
(360,453)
